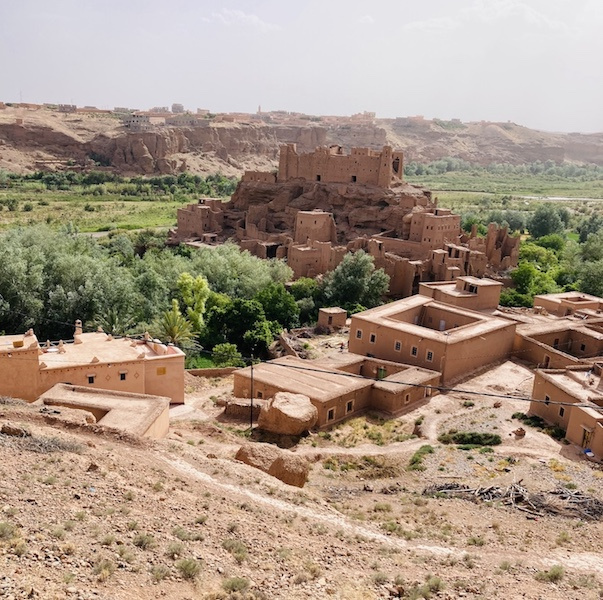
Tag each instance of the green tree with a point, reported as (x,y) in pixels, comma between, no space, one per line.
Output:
(279,305)
(227,355)
(194,292)
(591,278)
(355,281)
(544,221)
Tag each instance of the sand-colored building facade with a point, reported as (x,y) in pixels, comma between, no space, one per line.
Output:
(95,360)
(432,335)
(341,387)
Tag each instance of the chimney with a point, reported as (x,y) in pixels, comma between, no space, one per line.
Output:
(78,327)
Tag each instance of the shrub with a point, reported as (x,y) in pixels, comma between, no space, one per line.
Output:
(7,530)
(175,549)
(416,460)
(159,572)
(104,568)
(553,575)
(236,548)
(235,584)
(144,541)
(470,437)
(189,568)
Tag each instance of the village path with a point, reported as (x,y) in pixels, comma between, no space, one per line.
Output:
(583,561)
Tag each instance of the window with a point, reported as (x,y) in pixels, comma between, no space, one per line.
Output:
(414,351)
(372,338)
(407,399)
(122,376)
(349,407)
(91,379)
(358,334)
(582,347)
(331,414)
(561,411)
(556,343)
(318,178)
(330,320)
(547,399)
(161,370)
(353,178)
(429,355)
(260,395)
(398,346)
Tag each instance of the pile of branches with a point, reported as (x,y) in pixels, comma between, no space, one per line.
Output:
(560,501)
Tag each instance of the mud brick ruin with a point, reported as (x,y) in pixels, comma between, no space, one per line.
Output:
(322,204)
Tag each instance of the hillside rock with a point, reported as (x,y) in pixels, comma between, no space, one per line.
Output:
(282,464)
(288,414)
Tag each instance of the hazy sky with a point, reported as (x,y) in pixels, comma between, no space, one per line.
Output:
(535,62)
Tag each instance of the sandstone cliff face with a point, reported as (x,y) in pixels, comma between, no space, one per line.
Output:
(165,150)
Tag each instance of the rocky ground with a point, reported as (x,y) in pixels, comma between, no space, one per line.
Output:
(91,516)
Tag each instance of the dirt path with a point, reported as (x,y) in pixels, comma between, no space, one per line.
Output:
(582,561)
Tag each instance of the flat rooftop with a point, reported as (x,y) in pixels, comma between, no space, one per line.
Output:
(395,315)
(577,383)
(302,377)
(103,348)
(134,413)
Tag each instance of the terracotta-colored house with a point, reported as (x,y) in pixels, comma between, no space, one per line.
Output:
(575,385)
(432,335)
(95,360)
(341,387)
(465,292)
(568,303)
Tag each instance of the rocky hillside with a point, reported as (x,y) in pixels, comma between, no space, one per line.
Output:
(32,140)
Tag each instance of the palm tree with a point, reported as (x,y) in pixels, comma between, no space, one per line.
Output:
(173,327)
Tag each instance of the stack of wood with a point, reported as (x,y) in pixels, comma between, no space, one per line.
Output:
(561,501)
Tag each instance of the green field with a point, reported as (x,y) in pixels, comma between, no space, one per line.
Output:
(511,184)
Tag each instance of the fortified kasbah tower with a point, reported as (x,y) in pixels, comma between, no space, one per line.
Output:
(331,165)
(322,204)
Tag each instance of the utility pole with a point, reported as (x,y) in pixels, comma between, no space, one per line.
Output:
(251,407)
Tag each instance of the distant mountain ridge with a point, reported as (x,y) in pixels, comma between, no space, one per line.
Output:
(40,140)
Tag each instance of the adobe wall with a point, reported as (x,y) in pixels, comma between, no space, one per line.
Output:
(19,370)
(580,418)
(543,387)
(330,165)
(360,398)
(164,377)
(399,399)
(259,176)
(329,317)
(314,226)
(454,359)
(107,377)
(538,353)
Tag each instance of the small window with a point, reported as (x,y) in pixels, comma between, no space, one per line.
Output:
(349,407)
(122,376)
(318,178)
(556,343)
(353,178)
(582,347)
(330,320)
(414,351)
(260,395)
(161,370)
(561,411)
(91,379)
(429,355)
(331,414)
(398,346)
(407,399)
(547,399)
(358,334)
(372,338)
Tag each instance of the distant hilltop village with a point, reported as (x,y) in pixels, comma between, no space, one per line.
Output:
(321,205)
(177,115)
